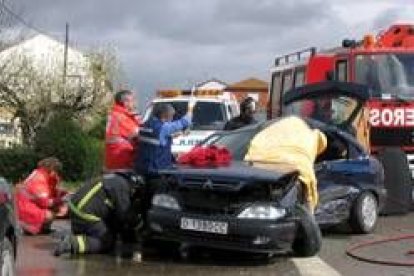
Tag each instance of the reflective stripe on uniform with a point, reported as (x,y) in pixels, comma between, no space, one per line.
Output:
(151,141)
(82,215)
(109,203)
(116,140)
(81,244)
(89,195)
(145,129)
(31,196)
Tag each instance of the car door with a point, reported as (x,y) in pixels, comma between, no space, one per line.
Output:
(333,103)
(346,168)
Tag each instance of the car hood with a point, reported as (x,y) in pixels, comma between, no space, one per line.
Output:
(232,177)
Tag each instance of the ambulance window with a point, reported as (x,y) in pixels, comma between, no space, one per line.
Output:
(299,76)
(342,70)
(287,81)
(275,93)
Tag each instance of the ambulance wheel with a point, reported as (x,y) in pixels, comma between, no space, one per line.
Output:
(364,213)
(397,181)
(7,258)
(308,239)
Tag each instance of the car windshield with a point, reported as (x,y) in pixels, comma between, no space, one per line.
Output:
(387,74)
(206,115)
(330,109)
(236,142)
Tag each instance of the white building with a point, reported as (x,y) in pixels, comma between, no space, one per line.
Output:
(46,56)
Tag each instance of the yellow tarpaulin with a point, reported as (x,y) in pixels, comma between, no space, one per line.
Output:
(290,141)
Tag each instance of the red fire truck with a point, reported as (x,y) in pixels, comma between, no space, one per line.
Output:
(385,63)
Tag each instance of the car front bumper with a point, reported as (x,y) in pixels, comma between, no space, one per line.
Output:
(243,234)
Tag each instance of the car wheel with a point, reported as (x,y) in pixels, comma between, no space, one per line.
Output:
(308,239)
(7,258)
(364,213)
(398,182)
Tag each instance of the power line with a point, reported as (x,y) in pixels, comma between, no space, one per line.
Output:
(20,19)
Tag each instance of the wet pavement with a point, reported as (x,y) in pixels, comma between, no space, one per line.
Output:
(35,258)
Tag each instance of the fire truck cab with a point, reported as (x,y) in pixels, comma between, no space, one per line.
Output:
(385,63)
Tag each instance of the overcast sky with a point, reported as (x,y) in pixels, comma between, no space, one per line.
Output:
(175,43)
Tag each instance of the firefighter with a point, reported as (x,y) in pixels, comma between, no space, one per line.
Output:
(121,133)
(99,211)
(246,117)
(294,143)
(39,199)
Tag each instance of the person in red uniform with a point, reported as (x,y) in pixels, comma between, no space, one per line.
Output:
(39,199)
(121,133)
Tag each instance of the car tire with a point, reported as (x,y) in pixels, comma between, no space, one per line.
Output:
(308,239)
(398,182)
(364,213)
(7,263)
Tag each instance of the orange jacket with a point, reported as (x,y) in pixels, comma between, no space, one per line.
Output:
(120,139)
(37,194)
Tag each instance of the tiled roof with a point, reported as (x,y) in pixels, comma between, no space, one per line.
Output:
(250,83)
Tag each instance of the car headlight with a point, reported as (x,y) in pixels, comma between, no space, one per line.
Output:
(165,201)
(262,212)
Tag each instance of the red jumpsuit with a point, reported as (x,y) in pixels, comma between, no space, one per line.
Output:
(37,195)
(120,142)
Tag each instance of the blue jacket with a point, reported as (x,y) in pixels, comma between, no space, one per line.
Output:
(154,152)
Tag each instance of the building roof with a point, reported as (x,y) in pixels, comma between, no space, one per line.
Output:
(212,84)
(249,84)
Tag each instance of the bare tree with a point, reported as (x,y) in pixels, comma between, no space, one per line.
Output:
(35,94)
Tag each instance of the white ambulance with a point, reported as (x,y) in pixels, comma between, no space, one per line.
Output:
(212,110)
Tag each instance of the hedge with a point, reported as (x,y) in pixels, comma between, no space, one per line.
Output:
(63,138)
(17,163)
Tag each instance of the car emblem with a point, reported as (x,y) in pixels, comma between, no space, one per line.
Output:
(208,185)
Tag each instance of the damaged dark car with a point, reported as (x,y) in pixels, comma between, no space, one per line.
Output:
(241,207)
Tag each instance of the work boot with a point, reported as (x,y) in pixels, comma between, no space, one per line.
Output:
(63,247)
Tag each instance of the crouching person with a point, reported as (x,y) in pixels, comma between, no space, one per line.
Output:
(39,199)
(99,211)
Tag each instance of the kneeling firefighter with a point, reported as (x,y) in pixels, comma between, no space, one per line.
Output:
(99,211)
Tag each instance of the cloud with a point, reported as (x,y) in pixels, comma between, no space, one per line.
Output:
(174,43)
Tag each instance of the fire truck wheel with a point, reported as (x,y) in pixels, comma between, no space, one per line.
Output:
(397,181)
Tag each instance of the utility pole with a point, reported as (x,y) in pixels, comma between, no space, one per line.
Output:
(65,59)
(65,53)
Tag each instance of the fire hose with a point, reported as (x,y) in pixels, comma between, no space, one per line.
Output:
(353,251)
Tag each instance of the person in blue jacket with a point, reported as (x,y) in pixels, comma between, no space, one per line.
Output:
(156,139)
(154,152)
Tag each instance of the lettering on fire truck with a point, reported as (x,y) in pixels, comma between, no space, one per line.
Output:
(392,117)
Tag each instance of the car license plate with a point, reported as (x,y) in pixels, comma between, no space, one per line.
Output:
(216,227)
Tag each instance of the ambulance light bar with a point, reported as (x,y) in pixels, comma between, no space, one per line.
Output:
(196,93)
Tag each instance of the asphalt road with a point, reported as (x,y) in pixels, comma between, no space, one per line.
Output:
(35,258)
